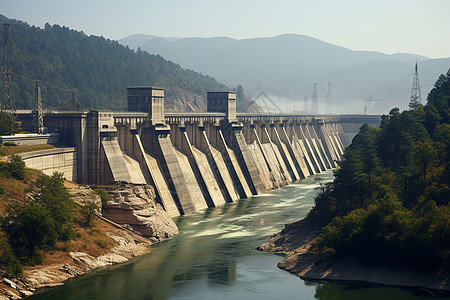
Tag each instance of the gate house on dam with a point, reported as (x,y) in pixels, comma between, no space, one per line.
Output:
(194,160)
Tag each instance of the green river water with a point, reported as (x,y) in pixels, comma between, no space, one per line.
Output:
(214,257)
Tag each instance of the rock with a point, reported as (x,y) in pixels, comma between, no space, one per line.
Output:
(10,283)
(43,277)
(83,196)
(11,295)
(86,261)
(112,258)
(135,205)
(25,293)
(127,246)
(71,270)
(89,262)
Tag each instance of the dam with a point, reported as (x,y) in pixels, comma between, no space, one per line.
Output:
(193,160)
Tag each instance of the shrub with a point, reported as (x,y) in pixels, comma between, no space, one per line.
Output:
(31,227)
(103,195)
(16,167)
(9,263)
(101,243)
(42,221)
(50,192)
(88,211)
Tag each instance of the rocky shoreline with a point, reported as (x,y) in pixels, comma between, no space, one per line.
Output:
(135,222)
(295,240)
(79,263)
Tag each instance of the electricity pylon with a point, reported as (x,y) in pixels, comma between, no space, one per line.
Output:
(416,96)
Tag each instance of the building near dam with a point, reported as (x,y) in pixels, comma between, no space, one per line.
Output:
(193,160)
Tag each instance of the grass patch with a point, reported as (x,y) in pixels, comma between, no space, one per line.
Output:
(10,150)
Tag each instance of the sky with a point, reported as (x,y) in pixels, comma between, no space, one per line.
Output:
(420,27)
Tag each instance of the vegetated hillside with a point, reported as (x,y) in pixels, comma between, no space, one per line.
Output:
(286,66)
(98,68)
(37,214)
(389,202)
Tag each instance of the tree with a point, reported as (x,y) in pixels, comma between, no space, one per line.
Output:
(8,125)
(104,196)
(404,219)
(8,261)
(98,68)
(89,211)
(50,192)
(30,228)
(16,167)
(425,158)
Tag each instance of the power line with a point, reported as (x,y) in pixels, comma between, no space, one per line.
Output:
(46,83)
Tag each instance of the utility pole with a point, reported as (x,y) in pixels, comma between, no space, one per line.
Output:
(7,104)
(416,96)
(314,105)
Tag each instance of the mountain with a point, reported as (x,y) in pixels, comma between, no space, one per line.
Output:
(99,69)
(286,66)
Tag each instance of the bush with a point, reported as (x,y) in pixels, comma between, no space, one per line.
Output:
(16,167)
(30,228)
(40,223)
(10,264)
(103,195)
(101,243)
(88,211)
(50,192)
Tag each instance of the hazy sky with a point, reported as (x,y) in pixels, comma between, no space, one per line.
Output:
(390,26)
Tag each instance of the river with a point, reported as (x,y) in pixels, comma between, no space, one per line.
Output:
(214,257)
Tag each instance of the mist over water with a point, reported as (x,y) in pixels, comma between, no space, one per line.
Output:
(214,257)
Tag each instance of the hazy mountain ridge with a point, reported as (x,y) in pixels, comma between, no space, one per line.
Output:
(99,69)
(286,66)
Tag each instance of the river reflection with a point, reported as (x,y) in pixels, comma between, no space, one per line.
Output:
(214,257)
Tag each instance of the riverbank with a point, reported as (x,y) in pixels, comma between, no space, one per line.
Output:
(103,244)
(59,267)
(294,242)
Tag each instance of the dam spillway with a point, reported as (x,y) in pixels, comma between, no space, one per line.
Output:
(193,160)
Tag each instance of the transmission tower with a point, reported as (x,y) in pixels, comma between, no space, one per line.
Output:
(7,104)
(328,97)
(314,105)
(38,119)
(416,96)
(73,100)
(305,105)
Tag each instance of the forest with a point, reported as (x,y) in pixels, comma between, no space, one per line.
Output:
(389,202)
(99,70)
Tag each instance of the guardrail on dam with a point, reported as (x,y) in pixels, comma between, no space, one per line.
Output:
(196,160)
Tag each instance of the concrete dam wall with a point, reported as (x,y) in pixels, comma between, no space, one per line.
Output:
(196,160)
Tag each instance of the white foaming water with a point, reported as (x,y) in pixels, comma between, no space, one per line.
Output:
(264,195)
(237,234)
(304,186)
(224,228)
